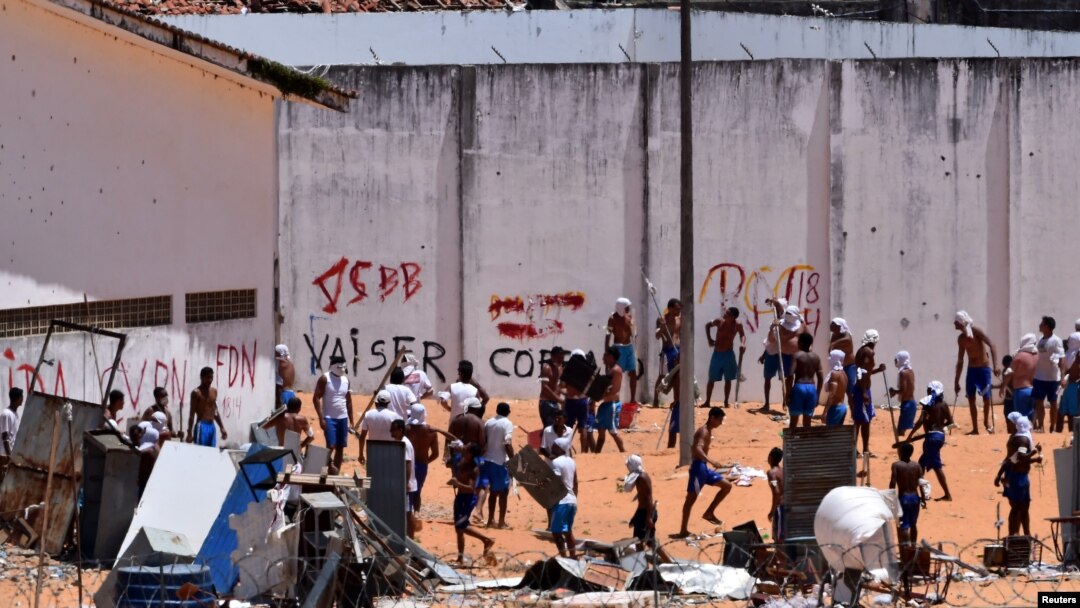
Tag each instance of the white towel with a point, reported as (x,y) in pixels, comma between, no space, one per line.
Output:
(1028,344)
(635,468)
(963,318)
(903,360)
(842,324)
(836,360)
(622,306)
(871,336)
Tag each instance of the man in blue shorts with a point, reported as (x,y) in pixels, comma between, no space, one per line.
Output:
(1022,379)
(724,365)
(498,449)
(862,407)
(905,391)
(836,389)
(667,331)
(935,418)
(607,415)
(576,407)
(905,480)
(974,343)
(701,475)
(1021,451)
(621,331)
(1070,398)
(808,380)
(1047,373)
(562,516)
(464,482)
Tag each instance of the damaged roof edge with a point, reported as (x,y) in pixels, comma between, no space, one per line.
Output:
(292,83)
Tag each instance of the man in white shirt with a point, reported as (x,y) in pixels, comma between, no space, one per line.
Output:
(465,388)
(401,396)
(562,516)
(9,427)
(377,422)
(1047,373)
(498,432)
(415,377)
(397,433)
(557,430)
(333,406)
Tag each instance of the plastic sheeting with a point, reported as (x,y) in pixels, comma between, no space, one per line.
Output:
(711,579)
(855,528)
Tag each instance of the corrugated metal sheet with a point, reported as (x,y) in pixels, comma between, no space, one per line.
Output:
(24,484)
(816,460)
(389,485)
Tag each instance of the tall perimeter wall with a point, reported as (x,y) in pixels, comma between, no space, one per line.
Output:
(491,212)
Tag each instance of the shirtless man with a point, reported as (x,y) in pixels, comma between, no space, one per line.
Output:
(1021,451)
(840,339)
(1070,397)
(286,375)
(621,331)
(667,331)
(935,418)
(576,406)
(808,380)
(973,342)
(468,428)
(724,364)
(608,412)
(836,388)
(905,480)
(905,391)
(701,475)
(673,419)
(204,408)
(862,407)
(425,442)
(161,404)
(1024,362)
(775,476)
(464,482)
(551,398)
(293,420)
(644,520)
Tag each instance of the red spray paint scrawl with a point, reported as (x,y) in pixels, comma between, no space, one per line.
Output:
(541,312)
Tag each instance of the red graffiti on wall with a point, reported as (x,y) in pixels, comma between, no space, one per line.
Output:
(405,275)
(541,312)
(798,284)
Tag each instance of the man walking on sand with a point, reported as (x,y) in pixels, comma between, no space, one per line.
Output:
(905,391)
(724,364)
(1047,373)
(621,331)
(607,415)
(1024,362)
(498,434)
(973,342)
(836,389)
(808,380)
(562,516)
(333,407)
(701,475)
(935,418)
(905,480)
(862,406)
(1021,451)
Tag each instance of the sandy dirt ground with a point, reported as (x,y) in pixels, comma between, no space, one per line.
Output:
(603,512)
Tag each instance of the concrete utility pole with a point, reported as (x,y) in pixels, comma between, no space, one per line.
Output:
(686,242)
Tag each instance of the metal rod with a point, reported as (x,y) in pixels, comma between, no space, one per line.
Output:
(45,508)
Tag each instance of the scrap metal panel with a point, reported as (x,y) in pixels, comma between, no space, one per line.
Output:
(27,475)
(816,460)
(389,486)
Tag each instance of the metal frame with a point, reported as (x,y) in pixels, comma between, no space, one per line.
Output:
(122,338)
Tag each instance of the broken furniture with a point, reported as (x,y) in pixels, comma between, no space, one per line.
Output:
(1065,534)
(175,586)
(110,494)
(321,512)
(533,473)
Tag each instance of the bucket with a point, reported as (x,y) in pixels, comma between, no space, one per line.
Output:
(627,415)
(534,439)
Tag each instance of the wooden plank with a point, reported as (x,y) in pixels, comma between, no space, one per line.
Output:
(337,481)
(534,474)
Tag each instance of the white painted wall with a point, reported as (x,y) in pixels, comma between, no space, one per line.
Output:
(602,36)
(810,178)
(128,173)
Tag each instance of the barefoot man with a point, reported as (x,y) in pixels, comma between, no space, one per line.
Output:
(621,331)
(1021,452)
(1047,373)
(551,398)
(840,339)
(973,342)
(293,420)
(607,414)
(775,476)
(862,407)
(204,408)
(724,365)
(808,380)
(701,475)
(286,375)
(562,516)
(425,442)
(464,483)
(905,391)
(935,418)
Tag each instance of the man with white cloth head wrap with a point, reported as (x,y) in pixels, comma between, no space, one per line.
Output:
(1047,373)
(562,516)
(836,387)
(621,333)
(1022,375)
(905,391)
(285,375)
(1070,398)
(935,418)
(644,520)
(973,343)
(842,340)
(781,344)
(1021,451)
(862,406)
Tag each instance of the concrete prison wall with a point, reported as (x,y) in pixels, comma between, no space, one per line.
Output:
(492,212)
